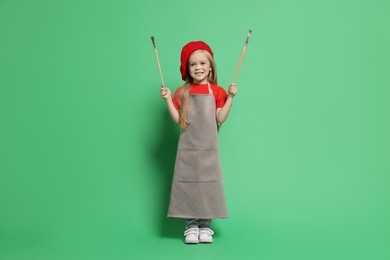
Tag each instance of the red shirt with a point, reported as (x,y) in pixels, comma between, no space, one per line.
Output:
(220,94)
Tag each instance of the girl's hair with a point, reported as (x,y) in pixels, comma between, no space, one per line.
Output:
(185,90)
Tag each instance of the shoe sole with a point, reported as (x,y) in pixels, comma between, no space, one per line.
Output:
(191,242)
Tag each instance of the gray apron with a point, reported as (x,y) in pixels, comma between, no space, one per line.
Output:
(197,187)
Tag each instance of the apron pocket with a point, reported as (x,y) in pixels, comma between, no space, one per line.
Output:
(199,165)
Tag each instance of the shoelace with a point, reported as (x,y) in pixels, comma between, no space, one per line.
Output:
(207,231)
(194,231)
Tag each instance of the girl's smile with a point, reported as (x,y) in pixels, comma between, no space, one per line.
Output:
(199,67)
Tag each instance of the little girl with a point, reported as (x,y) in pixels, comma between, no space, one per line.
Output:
(198,107)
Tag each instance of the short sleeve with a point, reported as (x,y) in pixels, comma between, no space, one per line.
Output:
(221,97)
(176,98)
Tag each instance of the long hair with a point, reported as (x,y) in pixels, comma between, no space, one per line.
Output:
(185,91)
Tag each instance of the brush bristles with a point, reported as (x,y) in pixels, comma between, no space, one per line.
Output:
(154,45)
(247,38)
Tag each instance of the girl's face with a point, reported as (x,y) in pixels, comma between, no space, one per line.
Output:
(199,67)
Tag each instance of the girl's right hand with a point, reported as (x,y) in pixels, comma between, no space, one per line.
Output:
(232,91)
(165,93)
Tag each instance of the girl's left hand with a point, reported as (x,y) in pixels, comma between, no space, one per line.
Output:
(232,91)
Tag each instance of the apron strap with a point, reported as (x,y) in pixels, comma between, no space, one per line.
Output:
(210,90)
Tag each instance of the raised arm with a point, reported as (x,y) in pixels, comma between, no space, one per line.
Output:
(223,112)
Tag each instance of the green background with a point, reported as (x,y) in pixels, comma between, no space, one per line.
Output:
(87,147)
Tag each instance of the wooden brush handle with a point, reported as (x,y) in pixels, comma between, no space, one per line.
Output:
(239,63)
(159,68)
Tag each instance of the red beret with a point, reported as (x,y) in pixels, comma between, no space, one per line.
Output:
(186,52)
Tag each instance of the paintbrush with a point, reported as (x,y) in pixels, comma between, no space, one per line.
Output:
(158,62)
(242,56)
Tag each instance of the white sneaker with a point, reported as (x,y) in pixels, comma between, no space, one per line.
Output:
(206,235)
(192,236)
